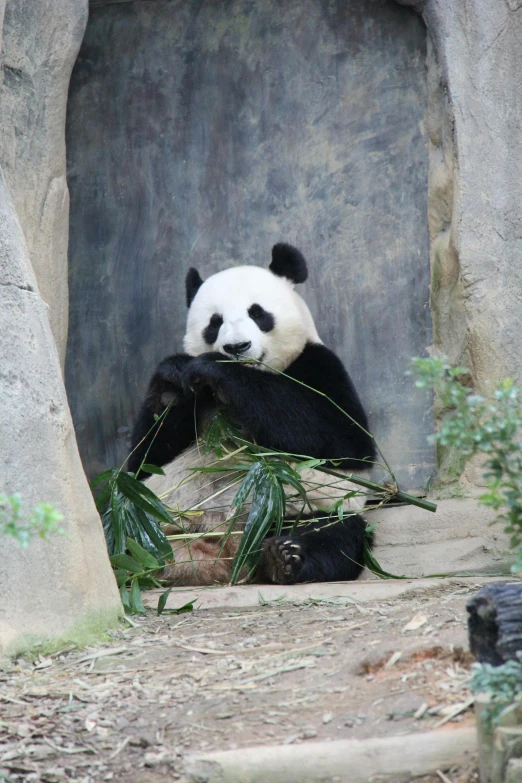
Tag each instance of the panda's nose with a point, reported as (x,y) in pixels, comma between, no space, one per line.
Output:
(236,349)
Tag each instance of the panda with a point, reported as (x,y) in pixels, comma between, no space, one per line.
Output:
(252,313)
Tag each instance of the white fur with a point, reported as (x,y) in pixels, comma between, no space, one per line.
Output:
(229,294)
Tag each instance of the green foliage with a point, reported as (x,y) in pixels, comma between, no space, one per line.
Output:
(504,683)
(490,426)
(135,572)
(266,481)
(132,513)
(269,482)
(43,521)
(131,510)
(188,607)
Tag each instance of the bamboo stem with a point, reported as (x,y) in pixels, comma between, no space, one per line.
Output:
(402,496)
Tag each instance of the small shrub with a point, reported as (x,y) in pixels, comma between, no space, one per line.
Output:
(489,425)
(43,521)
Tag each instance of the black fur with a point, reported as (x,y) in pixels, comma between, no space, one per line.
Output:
(177,430)
(210,333)
(264,320)
(288,261)
(279,414)
(324,550)
(193,283)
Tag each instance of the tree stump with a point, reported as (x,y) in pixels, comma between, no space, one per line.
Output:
(495,623)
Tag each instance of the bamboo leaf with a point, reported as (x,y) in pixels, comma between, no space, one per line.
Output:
(143,497)
(122,576)
(162,601)
(266,510)
(309,464)
(124,595)
(141,554)
(221,468)
(158,544)
(118,530)
(153,469)
(248,484)
(135,598)
(127,562)
(370,562)
(218,432)
(188,607)
(101,477)
(103,496)
(287,475)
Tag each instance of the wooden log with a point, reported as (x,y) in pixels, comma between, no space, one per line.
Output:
(498,741)
(514,771)
(495,623)
(507,745)
(346,761)
(485,732)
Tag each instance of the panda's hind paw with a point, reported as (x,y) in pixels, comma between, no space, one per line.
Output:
(282,560)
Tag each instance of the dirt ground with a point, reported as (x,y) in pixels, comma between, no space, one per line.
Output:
(131,709)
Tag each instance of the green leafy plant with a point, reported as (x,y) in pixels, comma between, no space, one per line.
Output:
(479,424)
(131,510)
(488,425)
(43,521)
(137,545)
(267,481)
(131,516)
(503,683)
(270,482)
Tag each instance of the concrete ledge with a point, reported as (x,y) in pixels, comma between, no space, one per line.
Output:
(364,591)
(459,538)
(343,761)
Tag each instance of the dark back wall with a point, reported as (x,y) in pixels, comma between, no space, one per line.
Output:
(201,132)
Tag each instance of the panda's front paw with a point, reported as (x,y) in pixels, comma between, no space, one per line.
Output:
(166,386)
(282,560)
(169,373)
(203,372)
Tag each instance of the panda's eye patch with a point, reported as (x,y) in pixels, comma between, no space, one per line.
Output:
(265,321)
(211,331)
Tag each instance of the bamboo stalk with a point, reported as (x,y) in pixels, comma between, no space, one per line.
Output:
(357,761)
(402,496)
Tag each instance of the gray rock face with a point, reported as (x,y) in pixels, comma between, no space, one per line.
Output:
(63,588)
(200,136)
(476,176)
(475,191)
(458,539)
(40,44)
(484,72)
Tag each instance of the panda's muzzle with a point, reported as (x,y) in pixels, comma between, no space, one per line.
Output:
(237,349)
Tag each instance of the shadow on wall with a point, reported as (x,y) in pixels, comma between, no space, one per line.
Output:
(201,133)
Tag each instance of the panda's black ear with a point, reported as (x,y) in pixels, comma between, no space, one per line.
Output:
(193,282)
(288,261)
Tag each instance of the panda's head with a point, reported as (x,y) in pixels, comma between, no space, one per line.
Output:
(251,313)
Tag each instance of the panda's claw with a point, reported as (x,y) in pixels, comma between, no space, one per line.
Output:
(281,561)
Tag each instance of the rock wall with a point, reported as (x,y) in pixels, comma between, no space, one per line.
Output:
(63,588)
(40,43)
(478,46)
(475,190)
(198,135)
